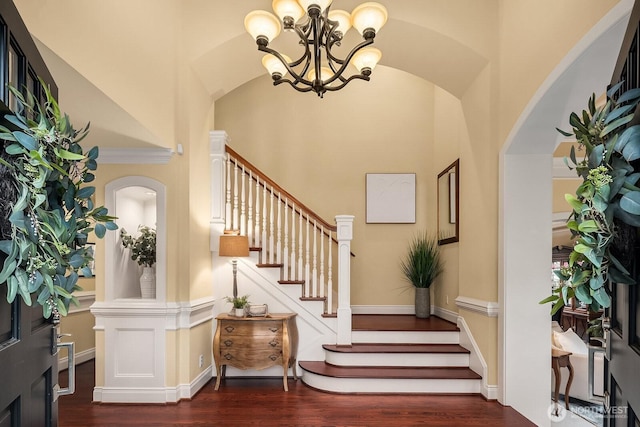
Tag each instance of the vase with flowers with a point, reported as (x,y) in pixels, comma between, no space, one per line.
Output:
(143,251)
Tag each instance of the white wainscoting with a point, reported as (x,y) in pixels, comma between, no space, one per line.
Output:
(135,348)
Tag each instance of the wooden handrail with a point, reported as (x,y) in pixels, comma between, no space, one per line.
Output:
(290,200)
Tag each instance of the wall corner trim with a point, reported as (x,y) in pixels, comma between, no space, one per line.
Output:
(488,308)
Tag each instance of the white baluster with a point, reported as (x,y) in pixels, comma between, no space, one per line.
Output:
(235,196)
(256,232)
(322,261)
(264,223)
(330,279)
(227,204)
(271,239)
(250,212)
(278,257)
(243,214)
(307,273)
(293,275)
(285,251)
(314,273)
(299,275)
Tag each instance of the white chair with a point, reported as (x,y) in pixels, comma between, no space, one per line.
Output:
(587,386)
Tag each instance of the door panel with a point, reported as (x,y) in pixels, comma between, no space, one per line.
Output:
(29,367)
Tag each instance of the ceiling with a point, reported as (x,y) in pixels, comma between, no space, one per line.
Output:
(447,43)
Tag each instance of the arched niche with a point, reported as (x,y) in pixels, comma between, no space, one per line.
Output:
(135,201)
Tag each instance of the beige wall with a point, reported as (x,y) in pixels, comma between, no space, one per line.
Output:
(319,150)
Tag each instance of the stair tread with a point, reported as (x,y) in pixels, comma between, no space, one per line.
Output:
(396,348)
(388,372)
(267,265)
(400,322)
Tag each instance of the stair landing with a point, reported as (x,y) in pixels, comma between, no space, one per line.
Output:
(410,355)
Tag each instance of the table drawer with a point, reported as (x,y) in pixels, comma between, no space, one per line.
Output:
(245,341)
(230,327)
(243,358)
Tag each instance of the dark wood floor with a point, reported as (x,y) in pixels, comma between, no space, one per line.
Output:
(261,402)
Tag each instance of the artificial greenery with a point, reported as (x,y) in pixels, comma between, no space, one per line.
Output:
(143,247)
(607,199)
(239,302)
(54,214)
(422,264)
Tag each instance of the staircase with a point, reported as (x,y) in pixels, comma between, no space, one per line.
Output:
(395,354)
(301,263)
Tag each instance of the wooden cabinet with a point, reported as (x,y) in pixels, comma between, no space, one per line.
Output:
(256,343)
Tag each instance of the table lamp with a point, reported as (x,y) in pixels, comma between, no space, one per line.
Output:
(233,245)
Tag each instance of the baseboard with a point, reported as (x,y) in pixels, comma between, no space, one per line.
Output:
(445,314)
(80,357)
(152,394)
(490,392)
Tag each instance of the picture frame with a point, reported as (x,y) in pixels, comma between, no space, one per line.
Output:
(390,198)
(448,197)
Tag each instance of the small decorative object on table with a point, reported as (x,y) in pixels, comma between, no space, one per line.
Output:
(258,310)
(239,304)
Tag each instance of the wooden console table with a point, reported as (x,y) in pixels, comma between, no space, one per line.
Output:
(560,359)
(256,343)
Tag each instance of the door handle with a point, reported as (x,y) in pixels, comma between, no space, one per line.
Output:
(71,369)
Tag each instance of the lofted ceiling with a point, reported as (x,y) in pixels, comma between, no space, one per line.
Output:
(87,44)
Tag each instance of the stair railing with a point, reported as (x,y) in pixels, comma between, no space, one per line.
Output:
(286,233)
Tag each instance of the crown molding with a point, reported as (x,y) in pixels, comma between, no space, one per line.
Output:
(155,156)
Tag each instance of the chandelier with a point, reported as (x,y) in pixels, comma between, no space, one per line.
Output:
(317,69)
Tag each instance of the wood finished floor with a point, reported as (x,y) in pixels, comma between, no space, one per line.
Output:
(262,402)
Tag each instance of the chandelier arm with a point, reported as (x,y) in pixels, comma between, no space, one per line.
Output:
(345,62)
(306,88)
(291,71)
(317,54)
(340,86)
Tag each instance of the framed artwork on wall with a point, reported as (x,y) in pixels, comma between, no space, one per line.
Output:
(390,198)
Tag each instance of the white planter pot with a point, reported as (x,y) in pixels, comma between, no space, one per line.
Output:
(148,283)
(239,312)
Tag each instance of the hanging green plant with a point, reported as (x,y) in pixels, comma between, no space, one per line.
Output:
(54,213)
(607,196)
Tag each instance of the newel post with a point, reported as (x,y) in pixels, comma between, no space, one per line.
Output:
(217,159)
(344,235)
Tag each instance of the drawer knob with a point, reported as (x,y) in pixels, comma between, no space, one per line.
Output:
(273,343)
(228,343)
(273,329)
(228,356)
(273,357)
(229,329)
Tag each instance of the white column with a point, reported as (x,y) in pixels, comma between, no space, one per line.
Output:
(217,142)
(345,235)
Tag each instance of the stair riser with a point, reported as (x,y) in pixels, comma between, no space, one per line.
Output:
(405,337)
(386,385)
(397,359)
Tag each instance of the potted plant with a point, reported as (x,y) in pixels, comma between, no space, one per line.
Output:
(421,266)
(239,304)
(143,251)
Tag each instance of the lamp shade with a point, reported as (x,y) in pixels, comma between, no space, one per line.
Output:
(325,74)
(344,20)
(367,57)
(274,65)
(260,23)
(322,3)
(234,245)
(369,15)
(284,8)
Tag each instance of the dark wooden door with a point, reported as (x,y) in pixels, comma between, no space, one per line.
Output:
(622,404)
(28,366)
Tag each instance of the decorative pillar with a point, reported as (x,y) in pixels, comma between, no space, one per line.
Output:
(344,235)
(217,158)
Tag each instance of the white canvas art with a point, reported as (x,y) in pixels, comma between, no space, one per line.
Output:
(391,198)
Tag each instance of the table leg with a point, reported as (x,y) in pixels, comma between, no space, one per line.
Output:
(285,379)
(558,377)
(569,380)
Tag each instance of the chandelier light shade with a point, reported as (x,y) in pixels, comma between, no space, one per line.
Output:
(319,30)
